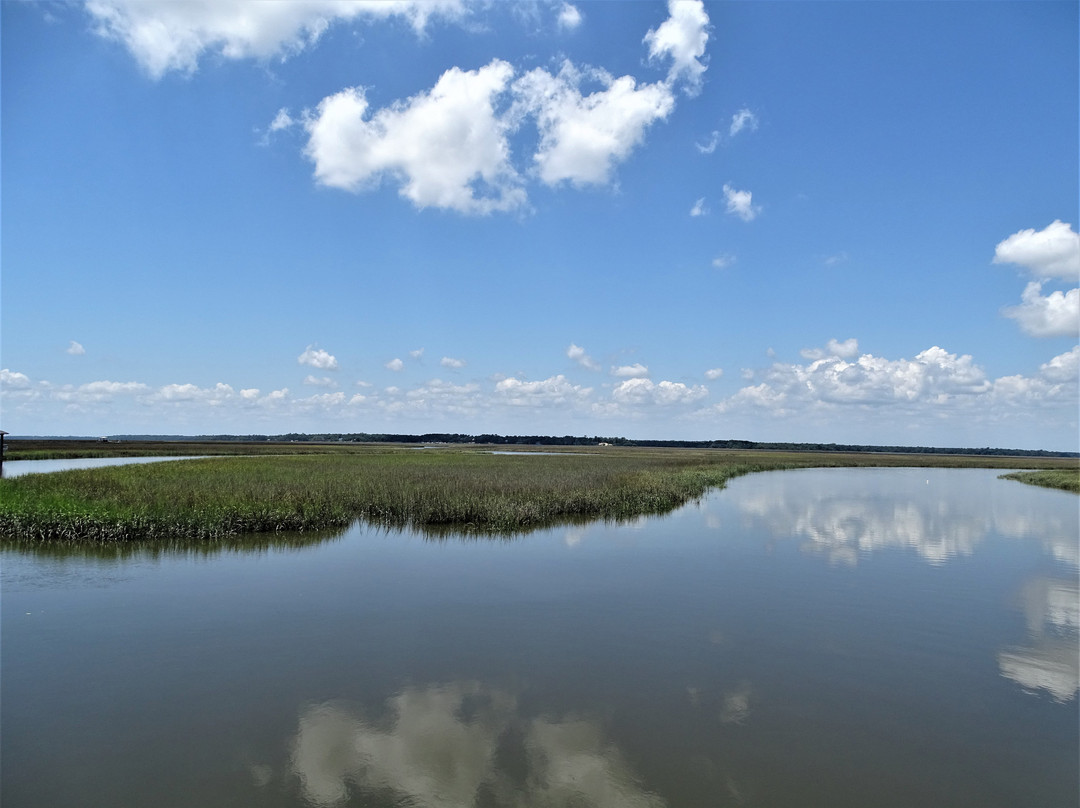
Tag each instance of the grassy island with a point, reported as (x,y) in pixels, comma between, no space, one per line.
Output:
(303,488)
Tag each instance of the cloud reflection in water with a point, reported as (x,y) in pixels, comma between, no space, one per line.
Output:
(1051,663)
(461,744)
(845,515)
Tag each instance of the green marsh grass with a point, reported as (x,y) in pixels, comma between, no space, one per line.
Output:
(468,490)
(1065,479)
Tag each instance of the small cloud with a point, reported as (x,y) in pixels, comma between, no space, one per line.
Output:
(249,393)
(450,362)
(682,36)
(417,354)
(709,146)
(317,358)
(714,373)
(1053,252)
(323,381)
(833,260)
(76,349)
(699,208)
(635,371)
(740,203)
(723,261)
(569,17)
(577,353)
(395,364)
(742,120)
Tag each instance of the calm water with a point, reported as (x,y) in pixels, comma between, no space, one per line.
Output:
(811,638)
(16,468)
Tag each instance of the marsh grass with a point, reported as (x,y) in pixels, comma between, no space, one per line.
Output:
(470,491)
(1065,479)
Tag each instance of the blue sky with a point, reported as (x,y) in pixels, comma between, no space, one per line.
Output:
(825,222)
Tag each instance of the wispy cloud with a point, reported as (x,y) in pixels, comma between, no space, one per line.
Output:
(709,146)
(578,354)
(450,362)
(699,208)
(743,120)
(75,349)
(569,17)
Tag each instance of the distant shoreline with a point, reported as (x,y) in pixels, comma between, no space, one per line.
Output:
(540,440)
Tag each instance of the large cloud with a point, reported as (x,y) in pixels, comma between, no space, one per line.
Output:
(166,35)
(933,375)
(450,147)
(934,387)
(447,147)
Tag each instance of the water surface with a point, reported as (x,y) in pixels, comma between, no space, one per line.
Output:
(822,638)
(16,468)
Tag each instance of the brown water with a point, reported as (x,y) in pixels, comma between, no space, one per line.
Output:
(812,638)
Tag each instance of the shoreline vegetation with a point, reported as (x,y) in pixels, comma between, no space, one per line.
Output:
(301,487)
(1065,479)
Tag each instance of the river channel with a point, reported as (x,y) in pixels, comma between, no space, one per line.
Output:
(832,638)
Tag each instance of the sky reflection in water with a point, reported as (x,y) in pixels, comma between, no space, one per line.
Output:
(812,638)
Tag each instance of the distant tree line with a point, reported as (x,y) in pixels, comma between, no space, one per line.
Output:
(582,440)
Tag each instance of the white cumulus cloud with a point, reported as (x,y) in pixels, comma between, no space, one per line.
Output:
(76,349)
(317,358)
(582,137)
(165,35)
(714,373)
(447,147)
(554,390)
(1053,252)
(665,393)
(450,362)
(845,350)
(1053,315)
(635,371)
(395,364)
(682,37)
(741,204)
